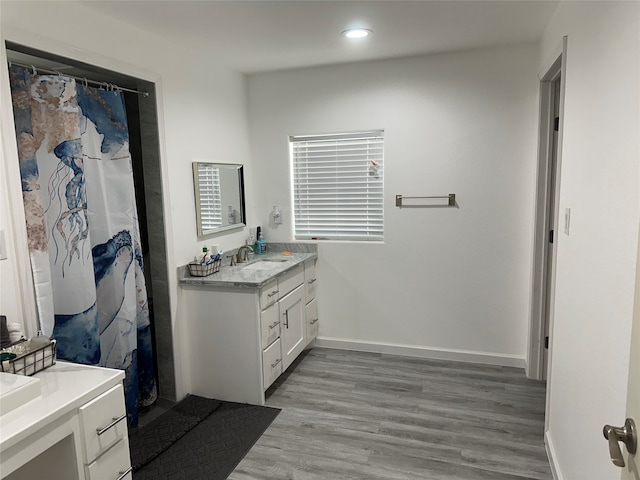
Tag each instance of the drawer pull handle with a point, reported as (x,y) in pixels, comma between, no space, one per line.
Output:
(312,280)
(273,365)
(286,319)
(275,292)
(115,420)
(315,320)
(124,473)
(274,325)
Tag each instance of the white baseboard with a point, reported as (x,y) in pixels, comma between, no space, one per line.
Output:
(551,455)
(423,352)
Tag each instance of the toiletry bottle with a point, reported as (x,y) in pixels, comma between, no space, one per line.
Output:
(204,255)
(256,248)
(261,245)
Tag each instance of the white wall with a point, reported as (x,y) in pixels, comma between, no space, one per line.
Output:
(596,263)
(445,282)
(9,294)
(201,107)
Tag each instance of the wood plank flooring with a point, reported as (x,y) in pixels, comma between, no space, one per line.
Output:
(355,415)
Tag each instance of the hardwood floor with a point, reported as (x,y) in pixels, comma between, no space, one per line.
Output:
(355,415)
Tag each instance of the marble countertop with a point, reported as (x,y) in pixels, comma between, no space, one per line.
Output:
(272,265)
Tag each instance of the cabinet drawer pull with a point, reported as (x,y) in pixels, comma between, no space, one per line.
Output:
(275,292)
(314,321)
(124,473)
(286,319)
(274,325)
(115,420)
(273,365)
(312,280)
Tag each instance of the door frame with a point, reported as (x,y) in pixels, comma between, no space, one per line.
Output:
(541,293)
(632,469)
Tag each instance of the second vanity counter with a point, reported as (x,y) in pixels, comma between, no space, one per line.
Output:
(246,275)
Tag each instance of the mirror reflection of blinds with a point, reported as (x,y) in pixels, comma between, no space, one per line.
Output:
(209,191)
(338,186)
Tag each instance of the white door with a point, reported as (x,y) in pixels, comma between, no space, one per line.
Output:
(632,469)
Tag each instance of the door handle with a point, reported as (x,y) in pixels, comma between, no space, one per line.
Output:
(628,434)
(115,420)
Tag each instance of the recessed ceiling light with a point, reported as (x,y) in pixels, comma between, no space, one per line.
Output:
(357,33)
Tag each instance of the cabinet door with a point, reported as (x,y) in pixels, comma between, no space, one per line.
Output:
(293,326)
(312,320)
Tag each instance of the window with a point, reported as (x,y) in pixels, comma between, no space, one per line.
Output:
(208,190)
(338,186)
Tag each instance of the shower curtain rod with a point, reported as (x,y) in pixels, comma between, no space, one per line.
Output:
(103,85)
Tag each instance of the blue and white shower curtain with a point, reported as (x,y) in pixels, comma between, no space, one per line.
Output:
(82,227)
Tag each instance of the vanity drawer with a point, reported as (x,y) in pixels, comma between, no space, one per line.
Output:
(269,294)
(310,280)
(270,325)
(113,465)
(103,422)
(311,315)
(271,363)
(291,280)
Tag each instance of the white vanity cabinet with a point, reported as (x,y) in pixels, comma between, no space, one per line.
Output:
(241,338)
(76,428)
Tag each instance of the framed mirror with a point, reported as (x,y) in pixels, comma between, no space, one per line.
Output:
(219,191)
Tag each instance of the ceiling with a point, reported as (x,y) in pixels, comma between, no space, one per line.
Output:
(254,36)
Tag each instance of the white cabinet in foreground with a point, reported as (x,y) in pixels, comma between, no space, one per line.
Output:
(241,339)
(76,428)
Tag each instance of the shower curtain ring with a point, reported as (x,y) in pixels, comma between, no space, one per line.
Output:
(35,72)
(85,82)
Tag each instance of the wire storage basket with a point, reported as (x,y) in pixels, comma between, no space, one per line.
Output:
(29,360)
(204,269)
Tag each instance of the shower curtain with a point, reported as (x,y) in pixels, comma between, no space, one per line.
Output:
(82,227)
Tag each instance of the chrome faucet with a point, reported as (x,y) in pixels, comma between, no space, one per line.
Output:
(242,254)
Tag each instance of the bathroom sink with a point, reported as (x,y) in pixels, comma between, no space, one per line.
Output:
(264,264)
(16,390)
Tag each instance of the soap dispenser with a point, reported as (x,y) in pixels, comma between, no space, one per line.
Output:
(277,216)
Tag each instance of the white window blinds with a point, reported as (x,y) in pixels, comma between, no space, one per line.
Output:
(209,192)
(338,186)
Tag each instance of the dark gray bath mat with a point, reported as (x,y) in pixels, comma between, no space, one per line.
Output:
(150,441)
(213,448)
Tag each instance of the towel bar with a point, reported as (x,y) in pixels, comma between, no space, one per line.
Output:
(451,197)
